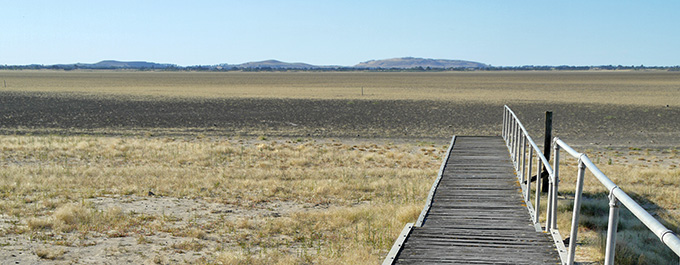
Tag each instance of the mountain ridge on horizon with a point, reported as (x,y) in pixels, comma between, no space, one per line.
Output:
(413,62)
(392,63)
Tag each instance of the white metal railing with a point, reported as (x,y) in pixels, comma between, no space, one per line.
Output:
(523,150)
(517,140)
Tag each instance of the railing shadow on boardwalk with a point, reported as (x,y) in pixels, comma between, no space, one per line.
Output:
(437,238)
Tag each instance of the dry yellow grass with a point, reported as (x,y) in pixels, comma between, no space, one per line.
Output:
(654,184)
(642,88)
(353,197)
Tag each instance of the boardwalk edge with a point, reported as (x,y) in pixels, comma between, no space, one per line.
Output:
(398,244)
(433,190)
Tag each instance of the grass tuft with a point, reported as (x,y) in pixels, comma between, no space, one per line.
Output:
(50,253)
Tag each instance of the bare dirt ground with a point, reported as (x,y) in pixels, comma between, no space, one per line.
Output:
(596,124)
(166,246)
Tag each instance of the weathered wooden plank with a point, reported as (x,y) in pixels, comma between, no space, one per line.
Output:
(478,215)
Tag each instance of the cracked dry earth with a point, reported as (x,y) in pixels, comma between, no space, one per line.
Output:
(184,235)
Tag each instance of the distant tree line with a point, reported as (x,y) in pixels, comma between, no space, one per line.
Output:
(580,68)
(226,68)
(70,67)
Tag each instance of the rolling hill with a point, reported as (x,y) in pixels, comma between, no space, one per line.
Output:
(411,62)
(112,64)
(394,63)
(274,64)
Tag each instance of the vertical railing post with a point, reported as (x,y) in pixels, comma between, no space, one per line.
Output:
(528,179)
(573,236)
(507,133)
(524,158)
(505,123)
(519,146)
(611,229)
(513,121)
(520,151)
(546,142)
(503,128)
(549,204)
(539,167)
(511,137)
(556,180)
(514,147)
(515,141)
(512,128)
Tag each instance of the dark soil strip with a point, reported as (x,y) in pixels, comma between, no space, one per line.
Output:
(62,113)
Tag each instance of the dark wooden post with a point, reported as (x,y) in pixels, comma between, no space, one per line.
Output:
(546,148)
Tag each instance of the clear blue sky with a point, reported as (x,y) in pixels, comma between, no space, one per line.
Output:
(497,32)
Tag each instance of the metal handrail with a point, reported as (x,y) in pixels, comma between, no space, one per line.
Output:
(616,196)
(517,139)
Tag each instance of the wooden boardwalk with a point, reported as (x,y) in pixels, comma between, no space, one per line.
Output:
(478,215)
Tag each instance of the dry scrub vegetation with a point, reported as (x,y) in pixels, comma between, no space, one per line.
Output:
(651,177)
(215,200)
